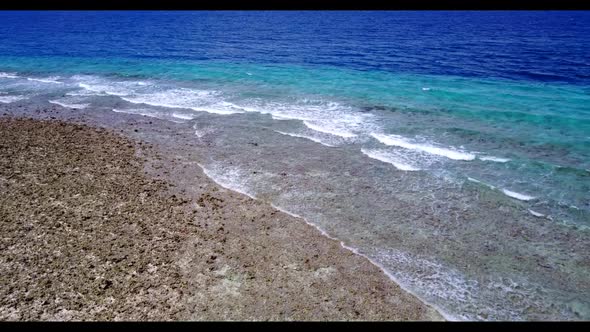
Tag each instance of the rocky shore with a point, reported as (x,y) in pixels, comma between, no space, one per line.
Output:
(99,224)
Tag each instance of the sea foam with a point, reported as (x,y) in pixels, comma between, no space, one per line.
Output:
(329,128)
(494,159)
(395,140)
(45,80)
(506,192)
(390,159)
(304,136)
(108,89)
(196,100)
(146,112)
(183,116)
(480,182)
(68,105)
(231,179)
(11,99)
(536,214)
(518,196)
(321,116)
(8,75)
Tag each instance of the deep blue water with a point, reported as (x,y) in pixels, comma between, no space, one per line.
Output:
(480,120)
(537,46)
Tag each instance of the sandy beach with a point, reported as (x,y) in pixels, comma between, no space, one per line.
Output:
(105,219)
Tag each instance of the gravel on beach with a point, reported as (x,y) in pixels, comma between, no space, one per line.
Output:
(96,225)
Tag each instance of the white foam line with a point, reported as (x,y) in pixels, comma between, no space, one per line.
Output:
(389,160)
(69,105)
(7,75)
(330,131)
(197,109)
(212,110)
(536,214)
(395,140)
(201,133)
(11,99)
(244,108)
(473,180)
(85,93)
(208,174)
(282,117)
(306,137)
(506,192)
(355,251)
(93,89)
(43,80)
(137,113)
(182,116)
(483,183)
(144,114)
(153,103)
(127,111)
(494,159)
(516,195)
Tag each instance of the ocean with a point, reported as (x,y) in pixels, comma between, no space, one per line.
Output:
(451,148)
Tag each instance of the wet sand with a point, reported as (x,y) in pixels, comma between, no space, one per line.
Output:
(101,222)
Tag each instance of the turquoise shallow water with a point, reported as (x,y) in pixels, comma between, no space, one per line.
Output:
(538,131)
(467,181)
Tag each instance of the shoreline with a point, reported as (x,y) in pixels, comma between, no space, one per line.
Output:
(128,125)
(445,316)
(355,251)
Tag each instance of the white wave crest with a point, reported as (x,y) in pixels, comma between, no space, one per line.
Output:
(390,159)
(304,136)
(45,80)
(8,75)
(395,140)
(331,128)
(197,100)
(231,178)
(11,99)
(146,112)
(105,89)
(494,159)
(536,214)
(480,182)
(282,117)
(183,116)
(518,196)
(68,105)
